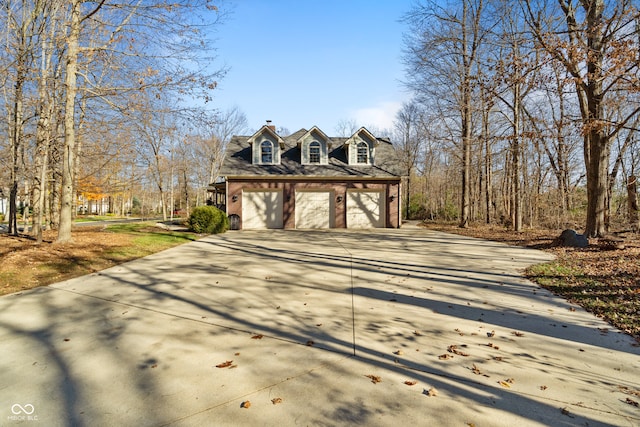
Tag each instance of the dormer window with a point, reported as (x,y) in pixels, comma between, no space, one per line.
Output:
(314,152)
(363,153)
(266,152)
(314,147)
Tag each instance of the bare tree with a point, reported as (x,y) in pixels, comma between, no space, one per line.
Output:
(442,52)
(595,41)
(408,142)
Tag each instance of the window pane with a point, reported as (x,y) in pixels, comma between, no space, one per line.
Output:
(314,152)
(266,152)
(363,153)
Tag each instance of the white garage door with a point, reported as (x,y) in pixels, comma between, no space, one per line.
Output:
(365,209)
(314,209)
(261,209)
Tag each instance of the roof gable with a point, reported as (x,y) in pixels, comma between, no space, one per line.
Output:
(266,129)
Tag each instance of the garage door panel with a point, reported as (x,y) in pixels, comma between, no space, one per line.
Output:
(314,209)
(262,209)
(365,209)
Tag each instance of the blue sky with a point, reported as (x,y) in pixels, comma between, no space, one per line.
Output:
(302,63)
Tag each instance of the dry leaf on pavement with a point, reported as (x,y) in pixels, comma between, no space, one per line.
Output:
(432,392)
(411,382)
(632,402)
(225,364)
(276,400)
(246,404)
(454,349)
(257,337)
(374,378)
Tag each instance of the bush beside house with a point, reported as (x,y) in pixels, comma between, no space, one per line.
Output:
(208,220)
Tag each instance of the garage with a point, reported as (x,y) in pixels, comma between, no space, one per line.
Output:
(262,209)
(365,209)
(314,209)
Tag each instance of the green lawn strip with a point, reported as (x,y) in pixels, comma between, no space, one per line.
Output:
(146,240)
(93,218)
(614,298)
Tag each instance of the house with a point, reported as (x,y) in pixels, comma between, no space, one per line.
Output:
(310,180)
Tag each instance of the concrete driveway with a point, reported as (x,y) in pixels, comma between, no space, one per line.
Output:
(384,327)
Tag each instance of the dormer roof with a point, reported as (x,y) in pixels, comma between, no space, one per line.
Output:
(358,135)
(317,131)
(239,157)
(268,129)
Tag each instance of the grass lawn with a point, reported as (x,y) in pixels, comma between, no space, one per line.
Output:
(26,264)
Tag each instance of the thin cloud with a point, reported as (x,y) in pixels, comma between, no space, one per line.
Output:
(380,116)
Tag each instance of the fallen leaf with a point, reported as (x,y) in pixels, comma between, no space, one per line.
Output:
(627,390)
(445,356)
(155,365)
(459,332)
(318,324)
(517,333)
(237,354)
(504,384)
(225,364)
(246,404)
(67,339)
(632,402)
(491,334)
(510,380)
(543,387)
(416,333)
(374,378)
(276,400)
(476,370)
(411,382)
(432,392)
(454,349)
(497,358)
(257,337)
(398,352)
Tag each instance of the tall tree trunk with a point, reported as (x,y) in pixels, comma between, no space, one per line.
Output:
(68,159)
(43,138)
(466,158)
(632,202)
(17,134)
(487,170)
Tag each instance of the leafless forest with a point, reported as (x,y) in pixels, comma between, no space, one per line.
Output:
(524,113)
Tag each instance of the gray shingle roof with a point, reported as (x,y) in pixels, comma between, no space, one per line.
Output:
(238,161)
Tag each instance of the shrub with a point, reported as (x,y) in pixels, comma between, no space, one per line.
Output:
(208,220)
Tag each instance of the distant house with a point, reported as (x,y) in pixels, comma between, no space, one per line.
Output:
(310,180)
